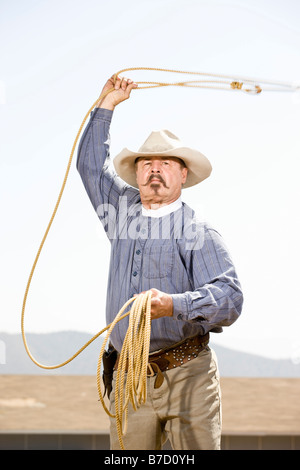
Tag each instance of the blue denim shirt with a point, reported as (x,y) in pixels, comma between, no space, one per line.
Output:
(175,253)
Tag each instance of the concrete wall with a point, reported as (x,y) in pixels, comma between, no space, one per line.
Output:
(100,441)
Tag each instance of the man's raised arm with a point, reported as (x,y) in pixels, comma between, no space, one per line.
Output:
(102,184)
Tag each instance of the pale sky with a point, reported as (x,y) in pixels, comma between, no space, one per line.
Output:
(55,58)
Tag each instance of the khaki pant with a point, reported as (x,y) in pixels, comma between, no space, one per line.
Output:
(186,409)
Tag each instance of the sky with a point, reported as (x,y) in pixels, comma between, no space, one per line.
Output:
(56,57)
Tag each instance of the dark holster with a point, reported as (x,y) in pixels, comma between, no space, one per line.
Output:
(109,359)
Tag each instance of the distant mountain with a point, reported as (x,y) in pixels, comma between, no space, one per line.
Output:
(54,348)
(49,349)
(233,363)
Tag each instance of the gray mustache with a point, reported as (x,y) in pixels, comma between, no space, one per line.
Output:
(159,177)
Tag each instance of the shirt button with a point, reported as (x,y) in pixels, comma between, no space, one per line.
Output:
(138,252)
(134,273)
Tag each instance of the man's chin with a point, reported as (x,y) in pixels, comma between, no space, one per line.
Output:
(155,186)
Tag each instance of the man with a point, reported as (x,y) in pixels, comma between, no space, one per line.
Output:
(158,244)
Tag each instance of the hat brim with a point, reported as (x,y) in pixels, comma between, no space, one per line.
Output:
(199,167)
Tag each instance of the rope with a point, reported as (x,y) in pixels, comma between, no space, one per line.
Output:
(216,81)
(133,359)
(136,344)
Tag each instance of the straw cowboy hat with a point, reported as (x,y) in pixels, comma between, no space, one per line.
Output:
(165,144)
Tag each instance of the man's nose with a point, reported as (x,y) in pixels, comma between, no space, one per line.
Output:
(155,167)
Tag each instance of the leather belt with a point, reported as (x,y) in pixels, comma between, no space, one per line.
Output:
(177,355)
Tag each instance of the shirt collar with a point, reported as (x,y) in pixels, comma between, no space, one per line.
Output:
(164,210)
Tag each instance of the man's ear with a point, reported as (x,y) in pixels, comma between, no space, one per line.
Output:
(184,173)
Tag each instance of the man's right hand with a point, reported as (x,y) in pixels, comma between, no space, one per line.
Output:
(121,92)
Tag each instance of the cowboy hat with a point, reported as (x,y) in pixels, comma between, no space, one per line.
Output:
(165,144)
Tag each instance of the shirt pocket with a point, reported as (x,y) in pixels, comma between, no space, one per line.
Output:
(158,261)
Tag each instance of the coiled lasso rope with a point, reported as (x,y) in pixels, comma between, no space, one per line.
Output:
(133,359)
(136,344)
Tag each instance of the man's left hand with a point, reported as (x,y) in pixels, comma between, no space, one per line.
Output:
(161,304)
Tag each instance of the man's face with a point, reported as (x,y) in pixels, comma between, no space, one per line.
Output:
(160,179)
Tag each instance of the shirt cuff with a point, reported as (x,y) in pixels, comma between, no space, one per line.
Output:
(180,307)
(102,114)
